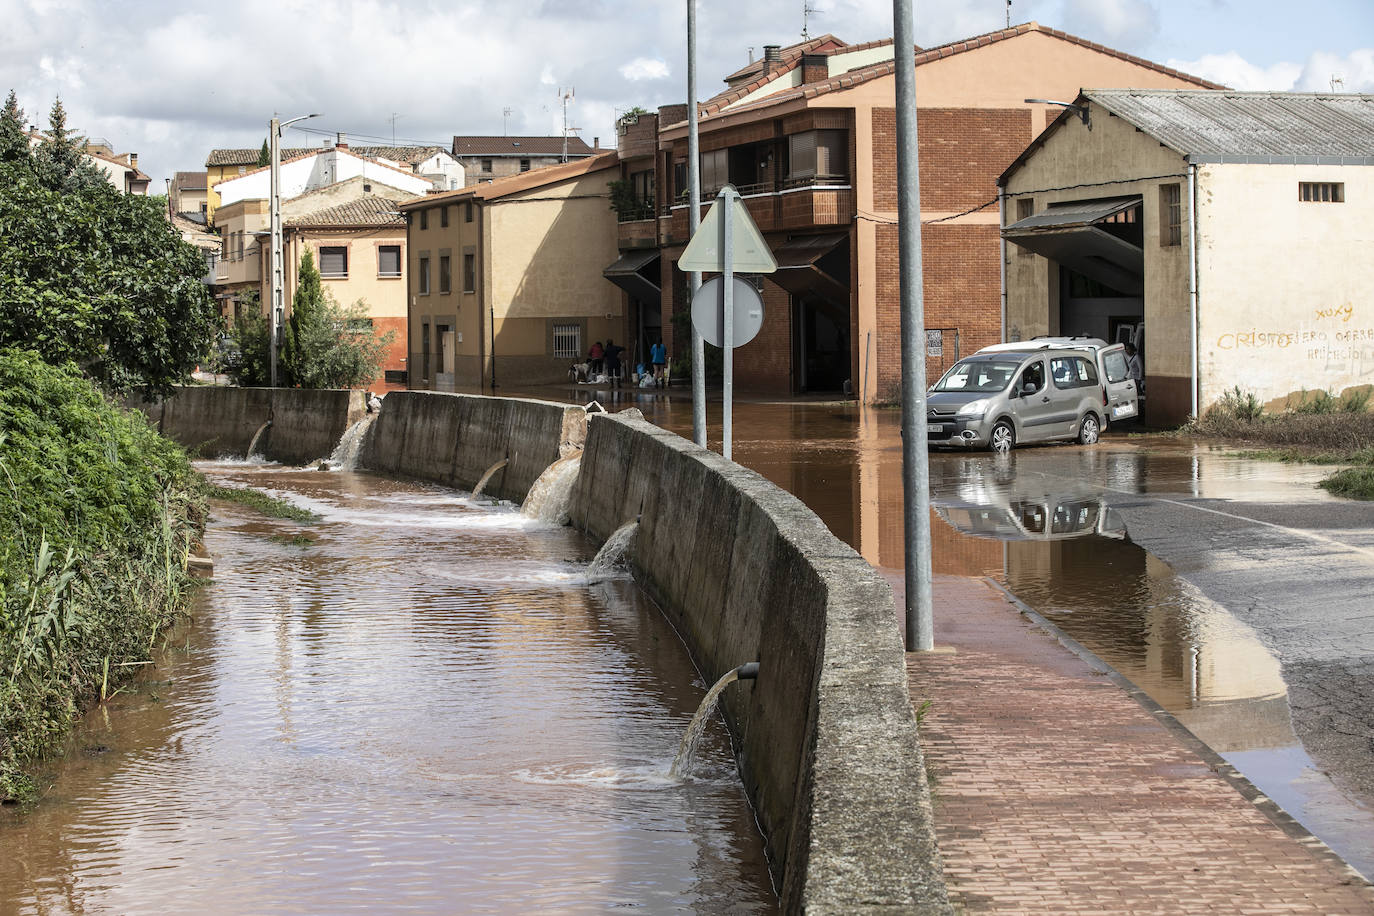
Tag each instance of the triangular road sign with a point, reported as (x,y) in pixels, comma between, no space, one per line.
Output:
(703,252)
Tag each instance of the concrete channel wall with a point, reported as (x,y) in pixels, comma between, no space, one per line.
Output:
(826,736)
(213,421)
(453,439)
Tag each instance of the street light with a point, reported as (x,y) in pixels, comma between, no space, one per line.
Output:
(277,311)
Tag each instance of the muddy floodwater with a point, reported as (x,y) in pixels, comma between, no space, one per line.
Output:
(416,704)
(1050,525)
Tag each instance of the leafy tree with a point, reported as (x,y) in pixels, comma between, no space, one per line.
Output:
(90,275)
(248,359)
(325,345)
(264,156)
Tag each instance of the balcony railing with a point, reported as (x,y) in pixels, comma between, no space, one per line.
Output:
(641,210)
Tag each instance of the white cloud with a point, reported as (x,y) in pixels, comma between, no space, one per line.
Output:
(1119,23)
(1230,69)
(176,80)
(645,68)
(1355,70)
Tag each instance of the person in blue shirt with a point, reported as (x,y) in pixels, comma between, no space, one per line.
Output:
(658,356)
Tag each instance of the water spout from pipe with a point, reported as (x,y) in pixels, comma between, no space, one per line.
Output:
(687,750)
(612,553)
(345,454)
(253,443)
(482,484)
(549,498)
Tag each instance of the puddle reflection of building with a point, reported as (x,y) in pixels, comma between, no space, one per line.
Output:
(1060,548)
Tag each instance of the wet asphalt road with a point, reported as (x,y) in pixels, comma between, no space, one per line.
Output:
(1284,557)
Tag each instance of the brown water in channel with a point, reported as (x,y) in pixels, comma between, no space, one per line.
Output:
(422,708)
(1038,522)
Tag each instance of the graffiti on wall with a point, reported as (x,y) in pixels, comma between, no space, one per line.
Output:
(1327,341)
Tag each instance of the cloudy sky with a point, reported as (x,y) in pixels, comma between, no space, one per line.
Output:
(173,79)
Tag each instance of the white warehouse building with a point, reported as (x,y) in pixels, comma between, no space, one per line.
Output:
(1227,233)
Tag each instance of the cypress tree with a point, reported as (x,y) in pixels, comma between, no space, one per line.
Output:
(264,156)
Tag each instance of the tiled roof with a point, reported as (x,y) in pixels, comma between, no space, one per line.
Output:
(788,55)
(366,211)
(407,154)
(189,181)
(929,55)
(1271,127)
(519,146)
(525,181)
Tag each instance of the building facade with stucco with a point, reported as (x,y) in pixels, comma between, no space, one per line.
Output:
(505,282)
(1223,232)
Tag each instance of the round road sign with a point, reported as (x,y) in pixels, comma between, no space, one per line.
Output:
(708,312)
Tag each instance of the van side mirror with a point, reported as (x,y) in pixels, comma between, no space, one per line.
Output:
(1028,387)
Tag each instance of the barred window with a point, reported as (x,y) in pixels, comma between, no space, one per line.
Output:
(567,341)
(1327,192)
(1170,215)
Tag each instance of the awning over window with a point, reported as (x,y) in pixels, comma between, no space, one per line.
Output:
(1071,235)
(636,272)
(800,273)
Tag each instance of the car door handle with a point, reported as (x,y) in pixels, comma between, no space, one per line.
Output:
(1046,399)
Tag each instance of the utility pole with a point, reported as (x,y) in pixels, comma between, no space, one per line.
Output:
(277,305)
(566,97)
(915,451)
(693,224)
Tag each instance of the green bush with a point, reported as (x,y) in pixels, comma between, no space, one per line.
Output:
(1322,402)
(97,515)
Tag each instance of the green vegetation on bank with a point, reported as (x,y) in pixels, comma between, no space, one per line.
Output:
(1320,429)
(97,516)
(267,505)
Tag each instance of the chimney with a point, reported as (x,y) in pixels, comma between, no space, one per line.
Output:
(133,160)
(815,67)
(596,143)
(772,56)
(341,142)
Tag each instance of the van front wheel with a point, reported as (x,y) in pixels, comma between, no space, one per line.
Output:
(1089,430)
(1003,438)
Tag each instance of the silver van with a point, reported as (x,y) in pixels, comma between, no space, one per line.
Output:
(1009,394)
(1123,400)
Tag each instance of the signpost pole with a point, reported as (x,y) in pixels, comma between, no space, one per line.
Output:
(727,248)
(693,223)
(920,634)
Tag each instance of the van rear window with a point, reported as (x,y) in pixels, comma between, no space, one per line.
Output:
(1115,364)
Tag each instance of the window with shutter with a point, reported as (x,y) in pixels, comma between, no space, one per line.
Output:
(389,261)
(802,155)
(334,261)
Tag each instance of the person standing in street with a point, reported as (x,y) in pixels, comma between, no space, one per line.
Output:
(1134,370)
(612,357)
(658,357)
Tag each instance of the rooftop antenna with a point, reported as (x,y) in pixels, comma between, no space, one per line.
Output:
(394,116)
(807,10)
(567,97)
(505,117)
(1337,81)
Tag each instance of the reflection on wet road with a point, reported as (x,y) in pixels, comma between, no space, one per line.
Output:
(417,704)
(1218,635)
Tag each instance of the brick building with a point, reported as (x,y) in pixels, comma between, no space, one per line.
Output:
(808,136)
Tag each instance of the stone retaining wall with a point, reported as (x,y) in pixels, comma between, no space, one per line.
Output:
(213,421)
(453,439)
(826,736)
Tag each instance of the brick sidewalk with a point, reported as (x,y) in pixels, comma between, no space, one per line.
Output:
(1055,791)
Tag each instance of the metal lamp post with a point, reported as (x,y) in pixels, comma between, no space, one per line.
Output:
(278,306)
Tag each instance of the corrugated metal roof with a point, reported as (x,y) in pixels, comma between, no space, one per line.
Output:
(1078,213)
(1225,126)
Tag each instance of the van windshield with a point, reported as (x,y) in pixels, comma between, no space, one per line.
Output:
(978,375)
